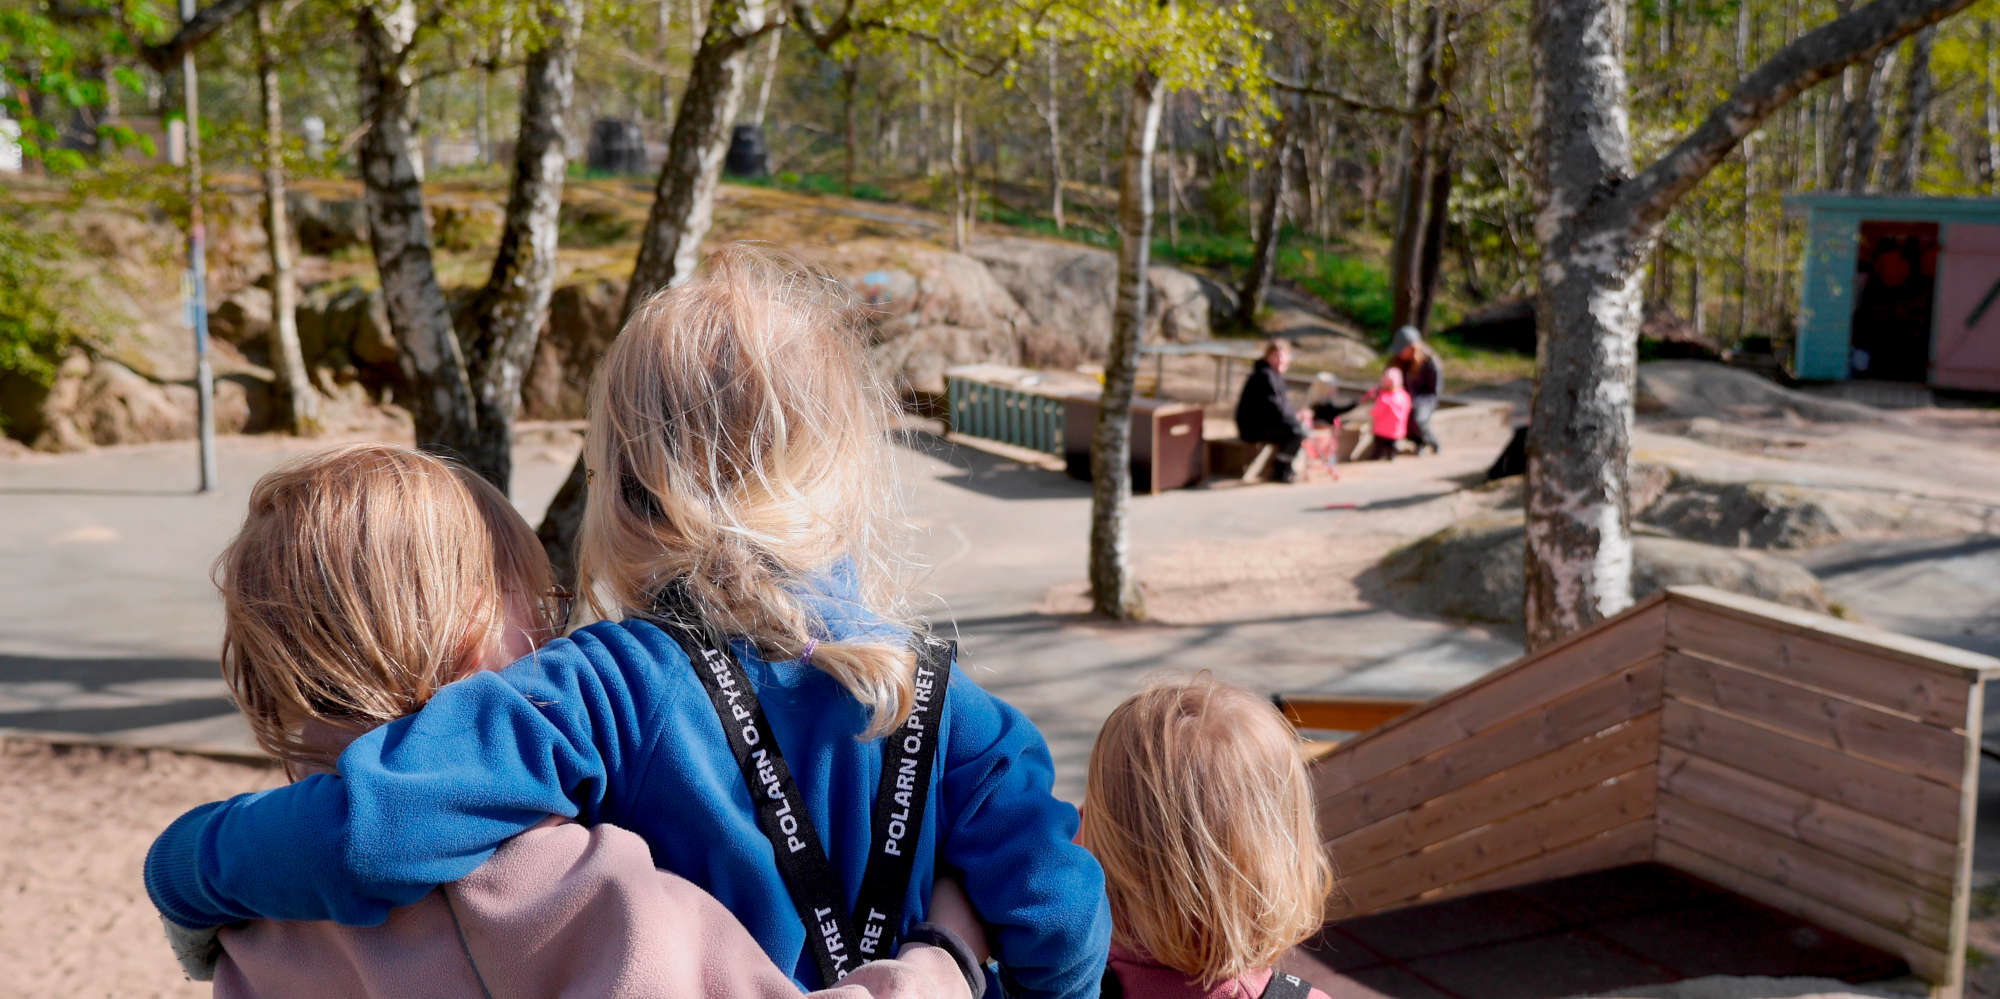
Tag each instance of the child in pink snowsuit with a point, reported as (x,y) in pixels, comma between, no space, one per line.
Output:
(1390,418)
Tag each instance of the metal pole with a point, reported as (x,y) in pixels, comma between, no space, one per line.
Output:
(204,379)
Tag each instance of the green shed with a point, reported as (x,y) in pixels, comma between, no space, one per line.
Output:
(1900,288)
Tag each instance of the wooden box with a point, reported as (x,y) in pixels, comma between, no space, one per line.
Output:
(1167,451)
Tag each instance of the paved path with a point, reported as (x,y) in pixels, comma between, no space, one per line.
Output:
(109,626)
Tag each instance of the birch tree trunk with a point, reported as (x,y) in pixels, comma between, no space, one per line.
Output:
(961,223)
(850,75)
(1596,222)
(1263,258)
(684,198)
(440,396)
(1917,94)
(683,208)
(1052,117)
(772,49)
(1113,592)
(296,399)
(507,315)
(924,110)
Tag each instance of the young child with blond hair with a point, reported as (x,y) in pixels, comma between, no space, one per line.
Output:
(757,707)
(1199,808)
(365,579)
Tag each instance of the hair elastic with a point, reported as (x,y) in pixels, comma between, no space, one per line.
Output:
(807,656)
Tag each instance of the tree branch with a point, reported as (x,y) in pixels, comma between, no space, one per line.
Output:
(1812,57)
(196,31)
(1350,102)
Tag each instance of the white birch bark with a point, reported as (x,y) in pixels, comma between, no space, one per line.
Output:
(297,401)
(1114,593)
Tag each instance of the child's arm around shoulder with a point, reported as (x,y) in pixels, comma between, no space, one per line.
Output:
(1040,894)
(423,800)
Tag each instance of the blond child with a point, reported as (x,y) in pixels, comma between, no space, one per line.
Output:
(365,579)
(732,710)
(1199,809)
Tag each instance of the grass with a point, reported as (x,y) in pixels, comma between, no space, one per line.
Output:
(817,183)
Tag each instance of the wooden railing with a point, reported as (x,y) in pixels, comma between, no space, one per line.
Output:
(1823,768)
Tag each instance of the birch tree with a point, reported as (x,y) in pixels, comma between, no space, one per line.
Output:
(464,394)
(1597,218)
(297,403)
(1159,46)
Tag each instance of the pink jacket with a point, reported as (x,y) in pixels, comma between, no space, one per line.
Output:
(559,910)
(1141,977)
(1390,419)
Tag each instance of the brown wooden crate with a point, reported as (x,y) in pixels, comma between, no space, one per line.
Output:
(1562,771)
(1923,805)
(1892,739)
(1543,829)
(1932,964)
(1560,721)
(1887,846)
(1506,693)
(1905,908)
(1871,677)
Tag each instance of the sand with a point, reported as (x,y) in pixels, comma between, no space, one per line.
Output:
(75,921)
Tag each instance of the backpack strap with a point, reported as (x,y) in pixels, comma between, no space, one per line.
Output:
(1285,986)
(1111,987)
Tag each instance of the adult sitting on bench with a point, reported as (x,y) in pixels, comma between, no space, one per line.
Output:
(1265,416)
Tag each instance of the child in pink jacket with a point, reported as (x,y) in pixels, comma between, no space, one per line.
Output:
(1199,808)
(364,579)
(1389,420)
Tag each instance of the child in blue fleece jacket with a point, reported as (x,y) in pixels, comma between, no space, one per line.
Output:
(735,451)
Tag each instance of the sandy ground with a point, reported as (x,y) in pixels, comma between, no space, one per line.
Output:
(74,921)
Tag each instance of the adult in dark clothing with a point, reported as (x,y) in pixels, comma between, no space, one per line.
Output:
(1263,413)
(1422,379)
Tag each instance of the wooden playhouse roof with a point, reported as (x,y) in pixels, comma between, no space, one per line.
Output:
(1823,768)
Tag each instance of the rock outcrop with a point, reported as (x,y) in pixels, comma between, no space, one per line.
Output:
(1472,571)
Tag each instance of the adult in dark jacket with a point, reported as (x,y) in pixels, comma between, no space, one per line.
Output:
(1422,379)
(1263,413)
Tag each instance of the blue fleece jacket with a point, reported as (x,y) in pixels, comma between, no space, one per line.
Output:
(611,725)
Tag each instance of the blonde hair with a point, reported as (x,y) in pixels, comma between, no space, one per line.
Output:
(366,577)
(737,446)
(1199,809)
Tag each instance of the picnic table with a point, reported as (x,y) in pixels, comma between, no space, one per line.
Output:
(1225,353)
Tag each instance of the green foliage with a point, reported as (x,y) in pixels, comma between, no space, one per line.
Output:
(36,327)
(816,183)
(1354,287)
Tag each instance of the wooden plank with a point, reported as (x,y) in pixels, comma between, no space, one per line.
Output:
(1540,830)
(1930,751)
(1869,676)
(1821,772)
(1935,656)
(1342,714)
(1630,843)
(1909,910)
(1929,962)
(1608,702)
(1566,770)
(1887,846)
(1968,814)
(1524,686)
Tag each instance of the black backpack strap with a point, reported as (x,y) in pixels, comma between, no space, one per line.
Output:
(780,806)
(1285,986)
(908,756)
(1111,987)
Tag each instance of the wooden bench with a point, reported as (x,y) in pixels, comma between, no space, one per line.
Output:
(1331,713)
